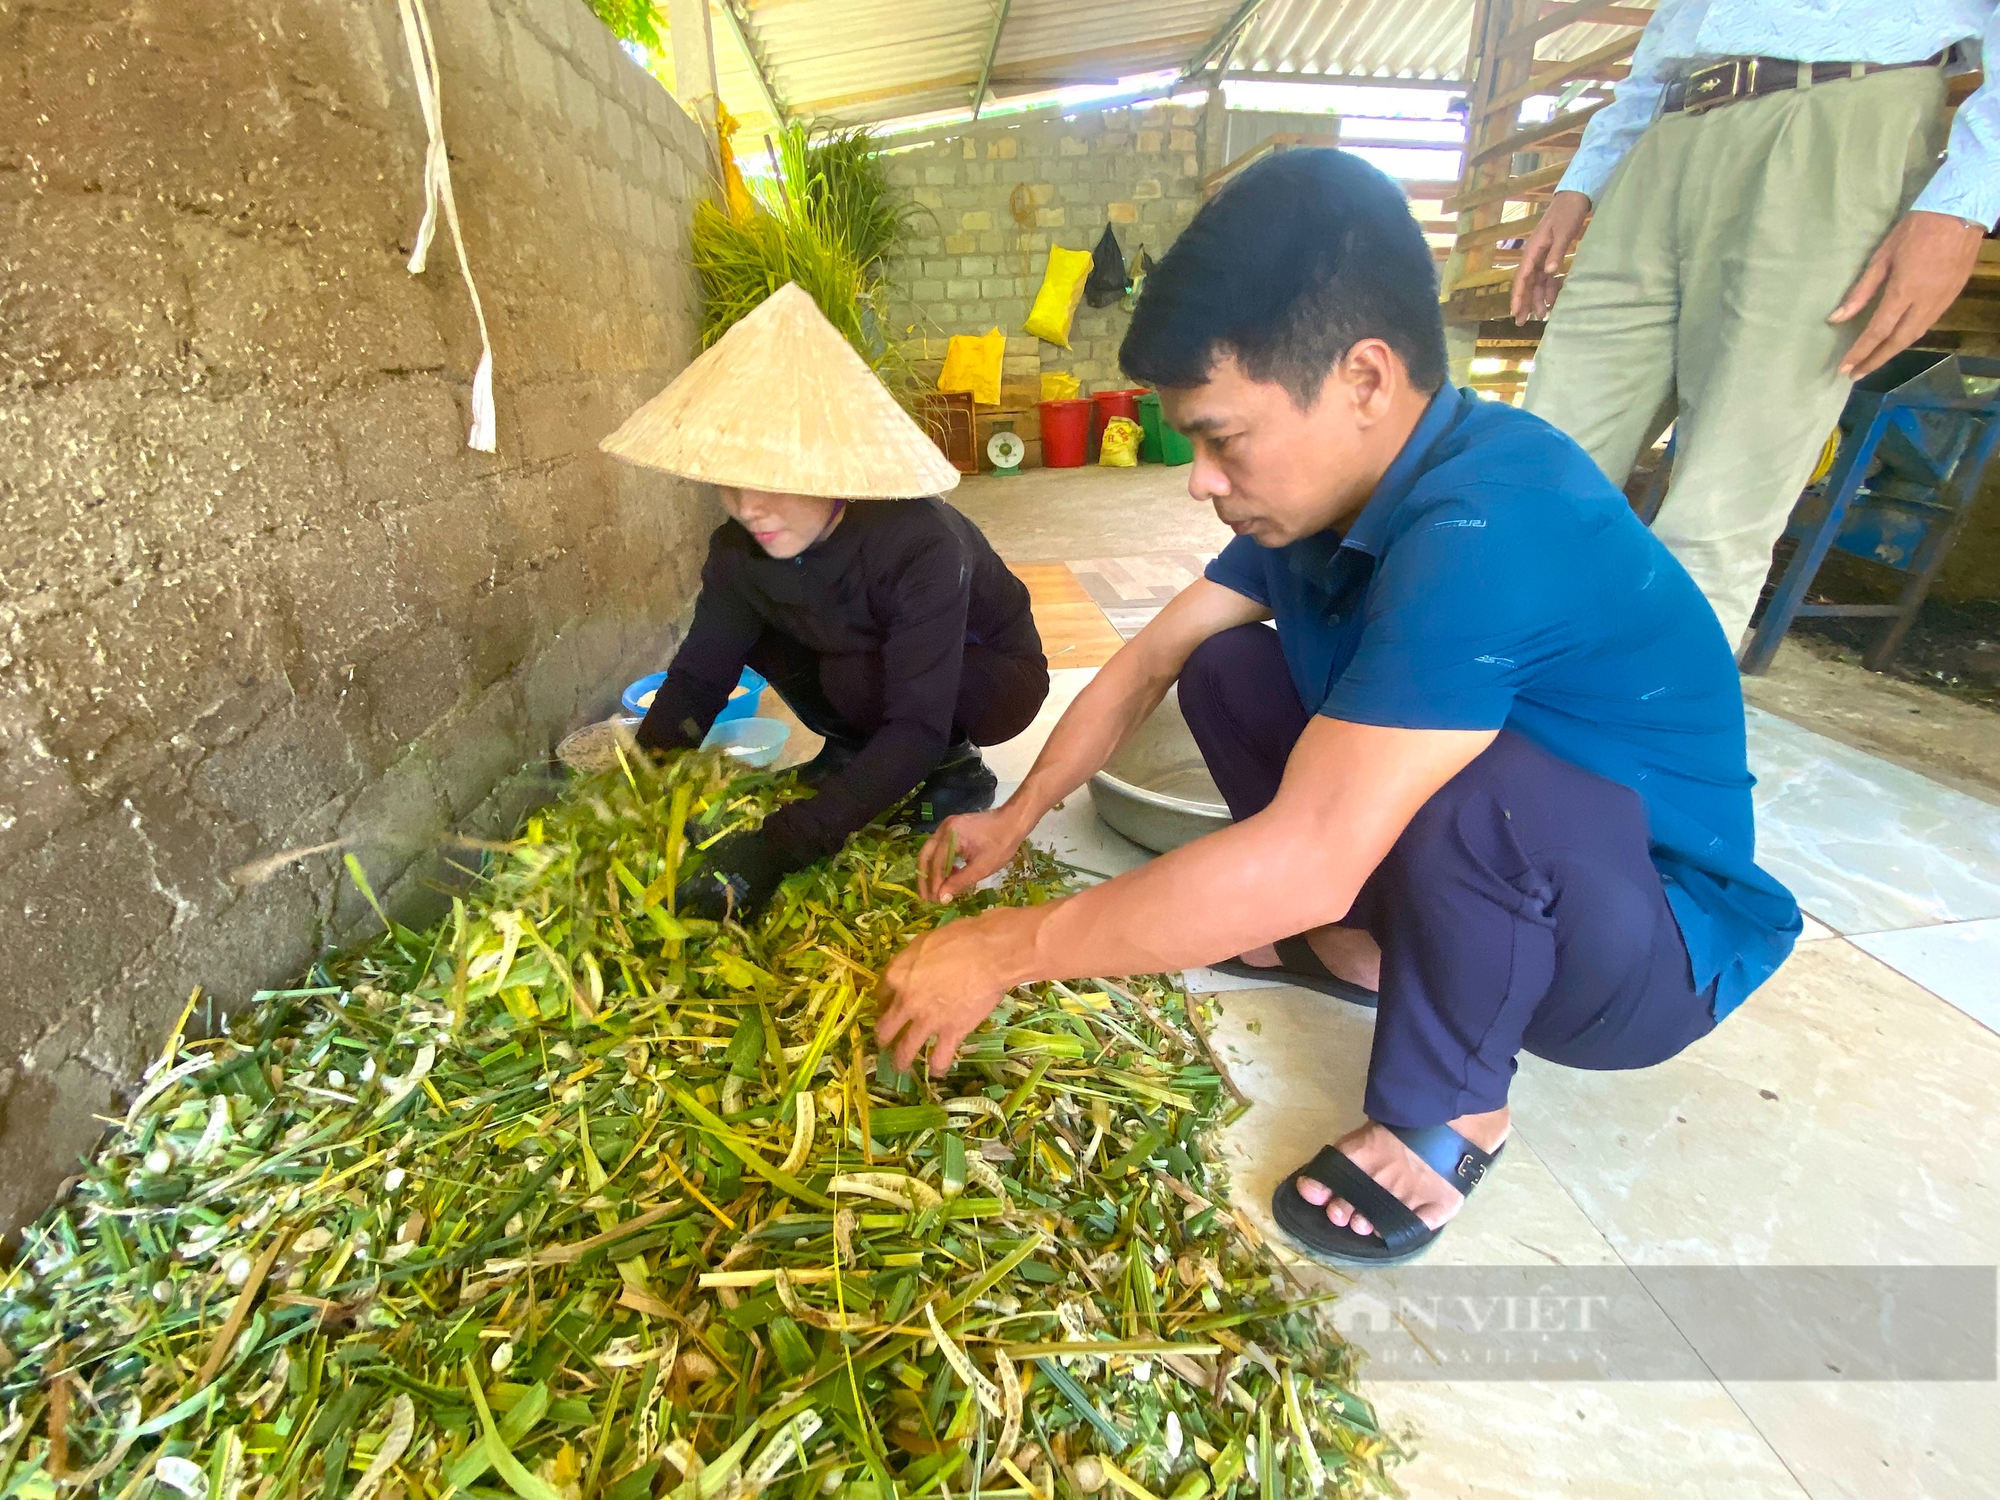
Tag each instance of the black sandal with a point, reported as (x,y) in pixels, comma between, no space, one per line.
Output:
(1398,1233)
(1298,964)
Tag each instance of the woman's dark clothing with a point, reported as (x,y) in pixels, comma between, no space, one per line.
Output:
(1520,911)
(896,635)
(998,694)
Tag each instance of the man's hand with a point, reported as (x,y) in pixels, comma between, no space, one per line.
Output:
(948,981)
(1539,276)
(984,841)
(1919,269)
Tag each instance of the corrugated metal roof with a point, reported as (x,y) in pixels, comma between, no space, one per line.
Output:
(1357,38)
(1048,42)
(859,61)
(1424,39)
(869,59)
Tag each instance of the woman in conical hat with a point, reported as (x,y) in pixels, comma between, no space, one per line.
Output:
(880,614)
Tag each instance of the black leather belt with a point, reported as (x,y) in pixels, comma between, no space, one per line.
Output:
(1753,77)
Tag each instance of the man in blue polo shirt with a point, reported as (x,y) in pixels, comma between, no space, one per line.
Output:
(1490,764)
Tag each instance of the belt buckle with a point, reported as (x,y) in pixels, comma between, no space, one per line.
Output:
(1715,84)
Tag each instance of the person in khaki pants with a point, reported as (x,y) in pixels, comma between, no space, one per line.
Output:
(1768,169)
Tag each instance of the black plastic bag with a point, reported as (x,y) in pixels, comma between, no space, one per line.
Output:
(1107,272)
(1136,284)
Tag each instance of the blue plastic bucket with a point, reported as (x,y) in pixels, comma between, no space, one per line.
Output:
(742,704)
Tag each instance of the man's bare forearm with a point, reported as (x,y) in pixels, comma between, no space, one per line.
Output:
(1348,793)
(1124,694)
(1116,702)
(1257,881)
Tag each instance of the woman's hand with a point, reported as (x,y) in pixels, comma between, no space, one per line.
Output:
(948,981)
(965,850)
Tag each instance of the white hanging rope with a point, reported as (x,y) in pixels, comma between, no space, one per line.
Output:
(437,190)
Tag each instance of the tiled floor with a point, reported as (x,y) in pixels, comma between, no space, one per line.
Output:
(1848,1115)
(1074,631)
(1131,590)
(1956,961)
(1868,846)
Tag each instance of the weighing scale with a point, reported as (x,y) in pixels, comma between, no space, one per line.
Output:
(1006,450)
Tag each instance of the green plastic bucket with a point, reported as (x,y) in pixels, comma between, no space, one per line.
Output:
(1160,443)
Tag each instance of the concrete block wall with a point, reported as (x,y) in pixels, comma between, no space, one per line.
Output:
(255,591)
(995,197)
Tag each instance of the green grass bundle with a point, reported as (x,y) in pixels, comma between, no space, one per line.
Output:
(826,218)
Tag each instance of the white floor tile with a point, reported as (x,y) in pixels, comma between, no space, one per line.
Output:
(1867,846)
(1841,1116)
(1073,829)
(1012,760)
(1874,1440)
(1958,962)
(1214,982)
(1537,1440)
(1302,1058)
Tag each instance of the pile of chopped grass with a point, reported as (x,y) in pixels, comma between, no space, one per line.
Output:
(569,1198)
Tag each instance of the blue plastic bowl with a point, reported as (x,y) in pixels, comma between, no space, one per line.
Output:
(756,742)
(740,706)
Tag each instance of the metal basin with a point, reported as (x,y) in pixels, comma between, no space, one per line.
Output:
(1156,790)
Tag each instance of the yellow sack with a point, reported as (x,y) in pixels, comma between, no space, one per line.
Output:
(972,363)
(1062,289)
(742,207)
(1120,449)
(1059,385)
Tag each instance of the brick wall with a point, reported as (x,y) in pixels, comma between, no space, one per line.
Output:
(974,263)
(255,592)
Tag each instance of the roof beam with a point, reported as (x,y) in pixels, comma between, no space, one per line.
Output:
(893,91)
(1555,17)
(1094,63)
(992,51)
(1355,80)
(1051,109)
(1224,38)
(739,27)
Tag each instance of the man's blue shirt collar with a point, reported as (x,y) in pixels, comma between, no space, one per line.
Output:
(1366,534)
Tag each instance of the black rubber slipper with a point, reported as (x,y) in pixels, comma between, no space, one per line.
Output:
(1298,964)
(1398,1233)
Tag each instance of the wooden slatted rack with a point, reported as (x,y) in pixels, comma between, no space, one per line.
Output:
(1512,166)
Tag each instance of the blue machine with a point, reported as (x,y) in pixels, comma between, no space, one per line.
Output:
(1915,438)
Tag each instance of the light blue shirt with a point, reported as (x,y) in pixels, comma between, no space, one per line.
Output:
(1685,34)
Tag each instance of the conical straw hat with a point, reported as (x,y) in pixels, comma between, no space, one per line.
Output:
(782,402)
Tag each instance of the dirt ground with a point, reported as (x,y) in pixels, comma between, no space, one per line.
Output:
(1936,709)
(1954,647)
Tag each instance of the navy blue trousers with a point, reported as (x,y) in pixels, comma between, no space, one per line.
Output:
(1519,910)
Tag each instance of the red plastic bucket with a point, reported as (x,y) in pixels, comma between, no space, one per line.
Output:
(1065,433)
(1108,404)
